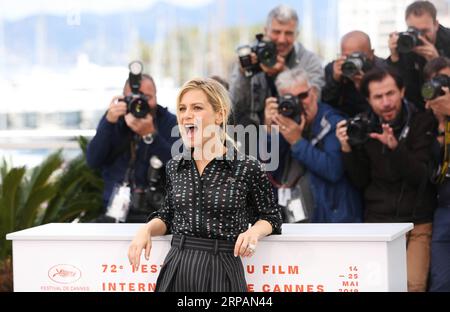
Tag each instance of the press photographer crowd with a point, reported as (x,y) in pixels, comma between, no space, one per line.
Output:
(363,139)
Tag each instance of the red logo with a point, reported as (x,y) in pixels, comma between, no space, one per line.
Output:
(64,273)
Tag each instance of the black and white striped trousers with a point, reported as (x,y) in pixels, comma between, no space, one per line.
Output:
(200,265)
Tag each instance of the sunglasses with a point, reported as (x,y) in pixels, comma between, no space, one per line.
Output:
(303,95)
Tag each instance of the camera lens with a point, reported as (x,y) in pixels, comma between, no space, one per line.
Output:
(428,91)
(267,53)
(139,107)
(354,64)
(288,106)
(433,88)
(408,40)
(349,68)
(358,129)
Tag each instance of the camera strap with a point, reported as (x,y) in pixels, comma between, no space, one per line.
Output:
(129,173)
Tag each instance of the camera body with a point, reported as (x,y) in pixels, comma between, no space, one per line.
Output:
(290,106)
(355,63)
(151,198)
(433,88)
(358,129)
(137,103)
(408,40)
(266,53)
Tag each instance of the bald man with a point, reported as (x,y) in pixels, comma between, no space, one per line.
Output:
(342,91)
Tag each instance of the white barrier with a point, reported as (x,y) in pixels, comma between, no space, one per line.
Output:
(305,258)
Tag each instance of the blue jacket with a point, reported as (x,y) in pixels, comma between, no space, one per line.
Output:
(335,199)
(109,150)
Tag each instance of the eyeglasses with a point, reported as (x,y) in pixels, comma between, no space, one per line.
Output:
(303,95)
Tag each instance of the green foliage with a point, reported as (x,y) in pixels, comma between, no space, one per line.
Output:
(78,192)
(54,191)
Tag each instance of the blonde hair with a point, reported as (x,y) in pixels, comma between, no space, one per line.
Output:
(217,96)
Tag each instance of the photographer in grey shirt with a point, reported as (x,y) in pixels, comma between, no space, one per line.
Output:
(249,93)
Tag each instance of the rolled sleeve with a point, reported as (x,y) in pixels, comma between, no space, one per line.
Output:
(262,200)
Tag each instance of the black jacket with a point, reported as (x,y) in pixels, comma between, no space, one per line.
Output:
(343,95)
(410,66)
(396,183)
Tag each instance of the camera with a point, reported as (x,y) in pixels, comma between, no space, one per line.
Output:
(355,63)
(137,103)
(290,106)
(358,129)
(433,88)
(408,40)
(266,53)
(134,206)
(151,198)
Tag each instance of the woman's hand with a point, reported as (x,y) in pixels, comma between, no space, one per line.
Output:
(141,241)
(246,242)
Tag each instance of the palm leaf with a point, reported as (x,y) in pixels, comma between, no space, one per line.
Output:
(38,190)
(8,205)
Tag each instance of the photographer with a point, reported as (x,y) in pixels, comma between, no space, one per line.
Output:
(425,40)
(310,179)
(124,144)
(387,156)
(343,76)
(248,93)
(437,95)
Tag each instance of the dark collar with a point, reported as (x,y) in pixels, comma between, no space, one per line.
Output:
(185,158)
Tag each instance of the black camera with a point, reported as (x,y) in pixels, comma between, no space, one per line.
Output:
(354,63)
(151,198)
(358,129)
(137,103)
(266,53)
(408,40)
(290,106)
(433,88)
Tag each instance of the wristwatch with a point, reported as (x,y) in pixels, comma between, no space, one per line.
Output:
(148,139)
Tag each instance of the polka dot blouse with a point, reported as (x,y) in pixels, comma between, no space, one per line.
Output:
(221,202)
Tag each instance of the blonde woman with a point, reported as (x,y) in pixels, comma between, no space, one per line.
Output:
(212,197)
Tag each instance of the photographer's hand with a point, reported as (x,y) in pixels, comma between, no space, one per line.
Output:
(427,50)
(117,108)
(276,69)
(387,137)
(357,79)
(393,38)
(289,129)
(337,68)
(141,126)
(441,104)
(341,134)
(270,111)
(253,58)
